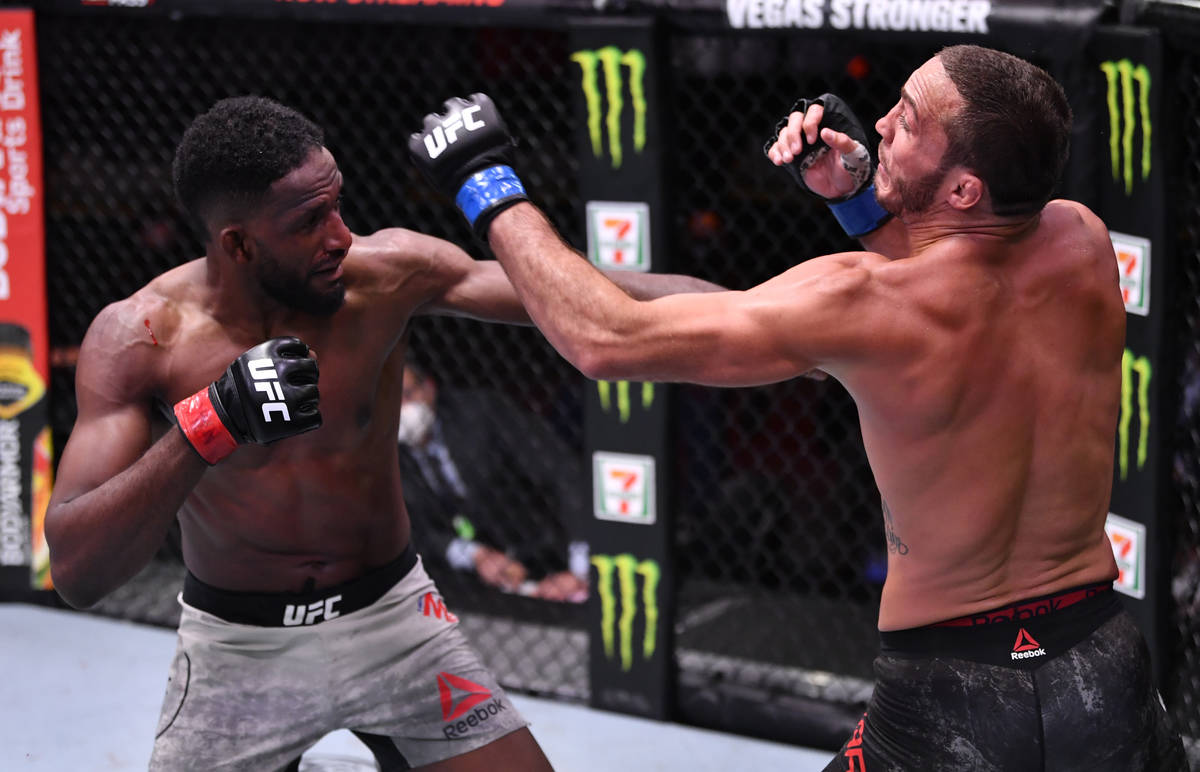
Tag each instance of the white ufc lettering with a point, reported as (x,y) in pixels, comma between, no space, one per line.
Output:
(263,371)
(312,613)
(445,135)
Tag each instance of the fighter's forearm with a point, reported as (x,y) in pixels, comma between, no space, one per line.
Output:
(100,539)
(647,286)
(571,302)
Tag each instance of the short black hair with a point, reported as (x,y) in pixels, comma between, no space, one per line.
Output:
(1014,129)
(236,150)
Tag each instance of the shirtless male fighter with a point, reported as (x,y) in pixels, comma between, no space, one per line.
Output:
(300,607)
(980,336)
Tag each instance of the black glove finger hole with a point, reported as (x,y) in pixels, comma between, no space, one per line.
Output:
(300,375)
(290,348)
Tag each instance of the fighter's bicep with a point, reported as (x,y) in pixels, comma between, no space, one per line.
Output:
(791,325)
(456,284)
(102,444)
(113,385)
(715,339)
(483,291)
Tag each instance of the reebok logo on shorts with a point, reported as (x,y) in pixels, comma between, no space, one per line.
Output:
(1026,647)
(468,709)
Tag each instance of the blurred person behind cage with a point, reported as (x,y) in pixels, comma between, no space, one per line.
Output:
(492,490)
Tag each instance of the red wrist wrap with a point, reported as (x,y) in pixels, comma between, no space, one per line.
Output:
(199,423)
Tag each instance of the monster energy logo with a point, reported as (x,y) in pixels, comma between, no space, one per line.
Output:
(1130,366)
(1121,76)
(624,405)
(625,569)
(611,60)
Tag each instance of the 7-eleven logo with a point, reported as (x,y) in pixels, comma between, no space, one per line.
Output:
(1026,647)
(1133,264)
(618,234)
(623,487)
(468,693)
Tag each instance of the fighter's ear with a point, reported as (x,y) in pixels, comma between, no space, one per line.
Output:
(966,190)
(233,243)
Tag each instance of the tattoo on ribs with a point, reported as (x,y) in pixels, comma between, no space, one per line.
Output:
(895,543)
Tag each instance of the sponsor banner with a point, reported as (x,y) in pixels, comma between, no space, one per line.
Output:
(1126,164)
(1020,22)
(1128,539)
(617,140)
(1133,261)
(623,487)
(963,16)
(618,234)
(301,8)
(25,452)
(969,18)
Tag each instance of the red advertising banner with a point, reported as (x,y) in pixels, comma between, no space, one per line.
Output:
(25,452)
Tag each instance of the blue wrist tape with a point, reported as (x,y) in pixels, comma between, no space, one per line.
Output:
(486,188)
(861,214)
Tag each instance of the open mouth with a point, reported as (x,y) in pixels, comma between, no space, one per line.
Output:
(331,271)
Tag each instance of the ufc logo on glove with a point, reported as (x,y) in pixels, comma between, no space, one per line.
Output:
(445,135)
(465,152)
(222,416)
(265,377)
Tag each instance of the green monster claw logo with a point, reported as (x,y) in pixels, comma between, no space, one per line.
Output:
(1131,365)
(1121,76)
(626,569)
(611,59)
(623,403)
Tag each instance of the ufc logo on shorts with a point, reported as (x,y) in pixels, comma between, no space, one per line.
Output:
(317,611)
(445,135)
(267,381)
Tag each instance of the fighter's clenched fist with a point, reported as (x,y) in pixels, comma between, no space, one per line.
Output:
(465,151)
(266,394)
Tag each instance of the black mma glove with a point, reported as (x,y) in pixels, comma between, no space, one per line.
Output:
(858,211)
(267,394)
(465,151)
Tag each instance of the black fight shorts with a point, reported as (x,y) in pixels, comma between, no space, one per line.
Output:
(1057,689)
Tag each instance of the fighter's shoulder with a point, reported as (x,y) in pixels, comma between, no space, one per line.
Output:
(1076,236)
(852,271)
(1073,218)
(391,259)
(143,323)
(397,247)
